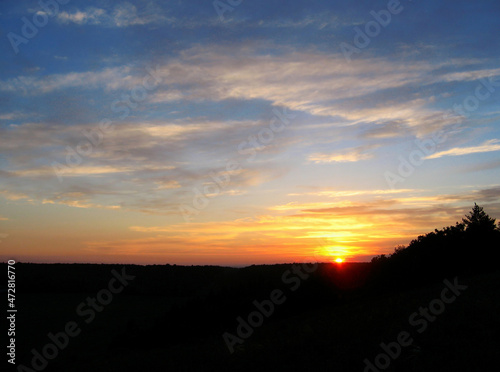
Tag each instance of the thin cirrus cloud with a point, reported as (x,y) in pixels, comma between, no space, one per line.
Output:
(487,146)
(345,156)
(345,193)
(11,195)
(111,174)
(202,74)
(108,78)
(309,81)
(319,84)
(299,81)
(123,15)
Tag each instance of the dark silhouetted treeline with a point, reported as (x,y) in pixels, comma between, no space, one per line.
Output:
(470,246)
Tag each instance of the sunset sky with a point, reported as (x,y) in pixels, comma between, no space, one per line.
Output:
(199,132)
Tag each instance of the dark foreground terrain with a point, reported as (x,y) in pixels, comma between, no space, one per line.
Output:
(159,323)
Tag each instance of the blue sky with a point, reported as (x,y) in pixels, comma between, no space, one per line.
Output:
(114,117)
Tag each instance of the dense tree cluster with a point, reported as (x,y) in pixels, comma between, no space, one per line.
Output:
(469,246)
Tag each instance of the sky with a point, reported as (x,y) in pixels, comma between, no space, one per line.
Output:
(241,132)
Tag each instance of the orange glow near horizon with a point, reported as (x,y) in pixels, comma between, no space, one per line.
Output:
(341,235)
(264,239)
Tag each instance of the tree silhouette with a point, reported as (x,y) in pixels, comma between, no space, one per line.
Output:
(466,248)
(478,221)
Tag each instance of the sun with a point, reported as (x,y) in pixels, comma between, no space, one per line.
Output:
(339,260)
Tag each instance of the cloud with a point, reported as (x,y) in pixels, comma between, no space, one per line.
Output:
(152,165)
(12,116)
(469,75)
(374,90)
(488,194)
(389,129)
(7,116)
(77,171)
(487,146)
(482,166)
(317,21)
(90,16)
(339,158)
(170,184)
(76,200)
(386,216)
(349,193)
(10,195)
(346,156)
(108,78)
(304,81)
(146,166)
(123,15)
(377,92)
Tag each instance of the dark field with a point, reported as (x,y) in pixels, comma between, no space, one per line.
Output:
(174,318)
